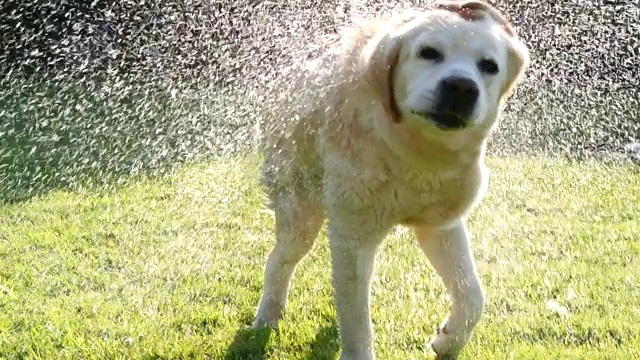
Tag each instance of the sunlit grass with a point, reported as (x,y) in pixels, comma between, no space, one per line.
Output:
(171,267)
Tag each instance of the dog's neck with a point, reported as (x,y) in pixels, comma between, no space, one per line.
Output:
(448,151)
(435,154)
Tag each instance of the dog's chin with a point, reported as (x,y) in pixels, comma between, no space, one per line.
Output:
(444,121)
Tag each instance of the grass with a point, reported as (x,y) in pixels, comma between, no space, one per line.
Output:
(171,267)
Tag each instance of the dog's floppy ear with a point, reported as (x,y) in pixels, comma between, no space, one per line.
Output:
(380,68)
(380,57)
(517,64)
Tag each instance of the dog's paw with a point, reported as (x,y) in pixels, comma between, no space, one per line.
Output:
(260,323)
(445,357)
(369,355)
(447,344)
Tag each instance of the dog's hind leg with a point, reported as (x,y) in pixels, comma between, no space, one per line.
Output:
(298,222)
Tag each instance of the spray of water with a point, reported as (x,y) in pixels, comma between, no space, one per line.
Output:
(94,92)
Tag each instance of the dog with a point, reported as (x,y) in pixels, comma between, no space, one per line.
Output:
(388,127)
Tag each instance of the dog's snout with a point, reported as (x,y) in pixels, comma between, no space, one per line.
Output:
(458,95)
(460,87)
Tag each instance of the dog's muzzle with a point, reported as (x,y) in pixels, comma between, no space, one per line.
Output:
(457,98)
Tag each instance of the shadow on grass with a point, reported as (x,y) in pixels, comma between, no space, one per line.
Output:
(249,344)
(326,344)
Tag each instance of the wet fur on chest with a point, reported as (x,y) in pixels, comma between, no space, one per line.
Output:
(410,198)
(334,162)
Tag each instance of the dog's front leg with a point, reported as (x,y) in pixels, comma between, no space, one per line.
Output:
(353,251)
(449,252)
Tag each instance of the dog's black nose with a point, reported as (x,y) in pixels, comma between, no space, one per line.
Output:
(458,96)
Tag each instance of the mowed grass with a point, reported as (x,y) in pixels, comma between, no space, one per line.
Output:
(172,268)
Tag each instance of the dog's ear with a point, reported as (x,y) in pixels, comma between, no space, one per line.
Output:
(380,69)
(380,59)
(517,63)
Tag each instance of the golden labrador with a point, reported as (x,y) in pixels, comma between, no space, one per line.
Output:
(388,127)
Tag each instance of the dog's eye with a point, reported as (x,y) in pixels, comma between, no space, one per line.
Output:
(488,66)
(429,53)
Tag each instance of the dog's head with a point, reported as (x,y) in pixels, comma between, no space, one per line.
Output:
(451,67)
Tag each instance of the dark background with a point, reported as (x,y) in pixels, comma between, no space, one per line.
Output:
(92,92)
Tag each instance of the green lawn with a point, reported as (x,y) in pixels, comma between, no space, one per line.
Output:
(172,268)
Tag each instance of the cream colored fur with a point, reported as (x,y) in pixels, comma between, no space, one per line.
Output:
(342,143)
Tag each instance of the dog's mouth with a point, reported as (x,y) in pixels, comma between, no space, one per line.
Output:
(445,120)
